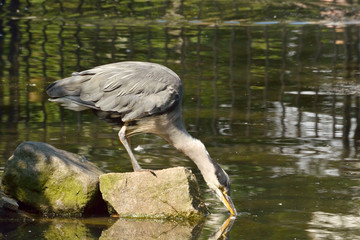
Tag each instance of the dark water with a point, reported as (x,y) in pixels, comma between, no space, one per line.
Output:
(271,88)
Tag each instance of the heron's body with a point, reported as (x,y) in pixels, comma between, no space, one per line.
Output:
(140,97)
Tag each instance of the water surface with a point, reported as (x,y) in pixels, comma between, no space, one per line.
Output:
(271,88)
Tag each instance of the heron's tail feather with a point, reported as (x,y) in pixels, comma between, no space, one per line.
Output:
(70,86)
(67,92)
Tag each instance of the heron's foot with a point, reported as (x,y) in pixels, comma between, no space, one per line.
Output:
(146,170)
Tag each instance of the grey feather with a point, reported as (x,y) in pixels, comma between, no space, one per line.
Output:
(133,89)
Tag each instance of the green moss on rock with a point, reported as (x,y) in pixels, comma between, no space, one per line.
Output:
(50,180)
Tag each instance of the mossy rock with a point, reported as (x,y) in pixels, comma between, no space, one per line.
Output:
(51,181)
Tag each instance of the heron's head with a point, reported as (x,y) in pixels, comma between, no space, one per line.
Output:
(220,183)
(215,177)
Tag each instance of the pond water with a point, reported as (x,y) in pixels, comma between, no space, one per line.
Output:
(271,88)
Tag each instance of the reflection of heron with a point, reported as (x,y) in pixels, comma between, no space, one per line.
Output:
(140,97)
(224,230)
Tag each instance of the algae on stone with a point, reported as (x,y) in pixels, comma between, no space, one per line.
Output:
(50,180)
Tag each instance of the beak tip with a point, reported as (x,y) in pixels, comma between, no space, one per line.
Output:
(230,205)
(233,212)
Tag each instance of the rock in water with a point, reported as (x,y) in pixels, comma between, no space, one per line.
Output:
(9,210)
(170,193)
(51,181)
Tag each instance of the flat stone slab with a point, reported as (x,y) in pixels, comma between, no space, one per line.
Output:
(51,181)
(170,193)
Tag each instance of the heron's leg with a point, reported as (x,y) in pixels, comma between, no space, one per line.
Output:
(124,141)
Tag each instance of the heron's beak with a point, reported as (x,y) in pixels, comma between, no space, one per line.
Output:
(226,199)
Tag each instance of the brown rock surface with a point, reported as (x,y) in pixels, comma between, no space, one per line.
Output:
(169,193)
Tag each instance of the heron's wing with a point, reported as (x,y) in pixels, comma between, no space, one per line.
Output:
(133,89)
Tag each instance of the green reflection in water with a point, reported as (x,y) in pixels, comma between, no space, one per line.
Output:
(275,101)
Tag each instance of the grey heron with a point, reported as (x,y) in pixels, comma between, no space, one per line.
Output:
(141,97)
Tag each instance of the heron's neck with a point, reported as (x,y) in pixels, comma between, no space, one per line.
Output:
(191,147)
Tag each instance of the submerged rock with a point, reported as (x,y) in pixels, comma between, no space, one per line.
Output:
(8,203)
(9,209)
(51,181)
(169,193)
